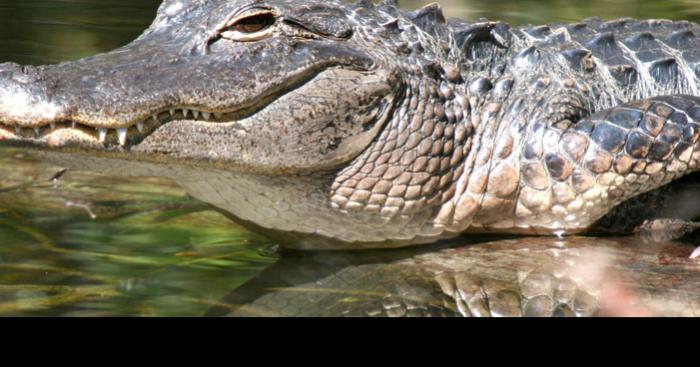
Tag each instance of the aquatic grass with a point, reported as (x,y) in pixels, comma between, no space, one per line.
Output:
(62,296)
(43,268)
(148,240)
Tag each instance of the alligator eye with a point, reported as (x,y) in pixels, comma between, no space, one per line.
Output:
(254,24)
(250,27)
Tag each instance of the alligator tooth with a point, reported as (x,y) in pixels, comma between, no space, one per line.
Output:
(53,126)
(206,115)
(18,130)
(185,112)
(139,126)
(103,134)
(155,118)
(72,125)
(695,254)
(172,113)
(37,131)
(121,133)
(195,113)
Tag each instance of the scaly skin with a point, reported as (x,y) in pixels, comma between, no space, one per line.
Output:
(374,127)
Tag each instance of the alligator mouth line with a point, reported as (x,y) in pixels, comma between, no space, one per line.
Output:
(128,133)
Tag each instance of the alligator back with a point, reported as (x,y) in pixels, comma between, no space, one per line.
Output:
(629,59)
(636,59)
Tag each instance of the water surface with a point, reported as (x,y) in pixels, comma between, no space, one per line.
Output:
(95,245)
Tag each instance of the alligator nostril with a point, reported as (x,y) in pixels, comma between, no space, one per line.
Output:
(23,74)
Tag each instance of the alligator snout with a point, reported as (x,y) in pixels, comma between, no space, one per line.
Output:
(31,111)
(17,72)
(25,97)
(107,100)
(40,105)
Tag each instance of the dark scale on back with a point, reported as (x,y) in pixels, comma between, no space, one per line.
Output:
(346,126)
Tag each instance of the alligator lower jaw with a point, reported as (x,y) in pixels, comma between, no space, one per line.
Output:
(58,134)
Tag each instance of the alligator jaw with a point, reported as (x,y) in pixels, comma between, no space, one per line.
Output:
(45,124)
(239,138)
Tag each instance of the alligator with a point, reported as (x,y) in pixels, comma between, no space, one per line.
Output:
(330,125)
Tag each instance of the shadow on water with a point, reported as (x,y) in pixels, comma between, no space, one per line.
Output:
(95,245)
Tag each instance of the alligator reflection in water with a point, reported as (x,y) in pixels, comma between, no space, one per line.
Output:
(520,277)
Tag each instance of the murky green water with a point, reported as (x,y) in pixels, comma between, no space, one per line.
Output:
(96,245)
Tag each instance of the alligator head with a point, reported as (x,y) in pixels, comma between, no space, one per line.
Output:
(295,117)
(262,85)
